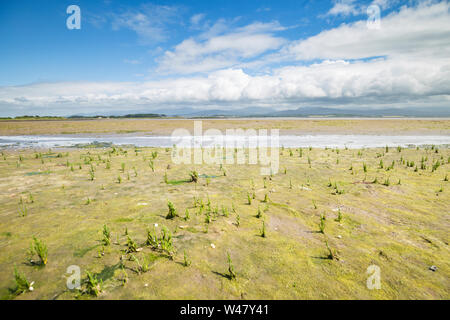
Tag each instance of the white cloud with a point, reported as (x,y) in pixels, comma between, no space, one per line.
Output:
(195,19)
(421,31)
(344,8)
(221,50)
(149,22)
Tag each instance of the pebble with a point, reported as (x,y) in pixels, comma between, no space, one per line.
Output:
(339,237)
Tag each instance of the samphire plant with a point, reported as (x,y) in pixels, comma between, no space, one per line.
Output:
(93,285)
(22,283)
(172,212)
(231,272)
(39,248)
(106,240)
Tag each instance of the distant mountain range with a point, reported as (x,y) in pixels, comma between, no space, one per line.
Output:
(268,112)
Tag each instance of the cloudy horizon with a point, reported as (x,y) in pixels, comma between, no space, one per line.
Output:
(165,56)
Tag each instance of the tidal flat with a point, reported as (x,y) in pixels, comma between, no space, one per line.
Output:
(309,231)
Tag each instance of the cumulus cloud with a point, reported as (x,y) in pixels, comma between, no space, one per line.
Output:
(412,32)
(219,50)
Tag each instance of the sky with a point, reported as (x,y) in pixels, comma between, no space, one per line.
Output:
(148,56)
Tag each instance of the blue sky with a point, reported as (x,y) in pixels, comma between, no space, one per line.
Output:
(142,55)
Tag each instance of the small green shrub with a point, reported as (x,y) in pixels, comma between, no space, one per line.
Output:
(172,212)
(339,217)
(39,248)
(259,214)
(194,176)
(22,283)
(322,224)
(330,255)
(186,261)
(231,272)
(93,286)
(152,238)
(263,229)
(131,245)
(106,240)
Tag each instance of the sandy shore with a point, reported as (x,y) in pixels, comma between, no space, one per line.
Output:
(293,126)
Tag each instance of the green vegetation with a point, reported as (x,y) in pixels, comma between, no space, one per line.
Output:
(274,227)
(231,272)
(39,248)
(22,284)
(172,212)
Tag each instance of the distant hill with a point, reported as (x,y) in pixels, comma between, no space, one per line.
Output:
(262,112)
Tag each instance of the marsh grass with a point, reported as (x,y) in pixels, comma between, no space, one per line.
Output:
(231,272)
(23,210)
(207,217)
(39,248)
(322,224)
(259,214)
(93,285)
(166,242)
(131,245)
(339,217)
(106,232)
(152,238)
(194,176)
(263,229)
(186,261)
(151,165)
(22,283)
(172,211)
(331,255)
(143,266)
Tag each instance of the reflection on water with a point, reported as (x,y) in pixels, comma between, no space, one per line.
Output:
(316,141)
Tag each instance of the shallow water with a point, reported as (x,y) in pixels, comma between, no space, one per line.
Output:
(293,141)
